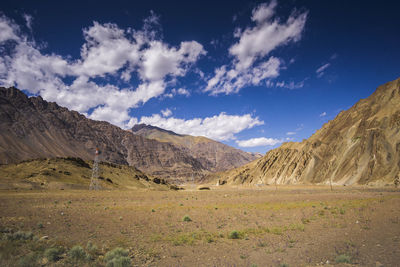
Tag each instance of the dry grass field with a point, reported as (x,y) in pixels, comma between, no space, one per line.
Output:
(290,226)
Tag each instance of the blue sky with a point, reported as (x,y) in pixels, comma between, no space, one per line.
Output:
(249,74)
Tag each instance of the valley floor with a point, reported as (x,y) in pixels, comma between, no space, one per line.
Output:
(290,226)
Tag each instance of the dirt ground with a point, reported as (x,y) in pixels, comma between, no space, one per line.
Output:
(290,226)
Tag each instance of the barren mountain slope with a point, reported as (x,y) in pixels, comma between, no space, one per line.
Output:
(214,155)
(360,146)
(33,128)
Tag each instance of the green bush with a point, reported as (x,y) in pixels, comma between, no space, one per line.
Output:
(186,218)
(119,262)
(29,260)
(77,253)
(234,235)
(53,254)
(343,259)
(20,236)
(91,248)
(117,257)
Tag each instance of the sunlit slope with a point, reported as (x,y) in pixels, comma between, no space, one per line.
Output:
(360,146)
(73,173)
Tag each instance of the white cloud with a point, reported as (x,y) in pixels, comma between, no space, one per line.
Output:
(291,133)
(264,11)
(249,66)
(323,114)
(8,30)
(28,20)
(180,91)
(290,85)
(218,127)
(108,52)
(261,141)
(166,112)
(321,70)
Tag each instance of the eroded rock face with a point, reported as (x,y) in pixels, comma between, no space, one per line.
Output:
(34,128)
(213,155)
(360,146)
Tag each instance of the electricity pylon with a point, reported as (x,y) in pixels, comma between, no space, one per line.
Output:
(94,182)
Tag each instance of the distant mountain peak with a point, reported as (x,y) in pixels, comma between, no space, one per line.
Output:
(141,127)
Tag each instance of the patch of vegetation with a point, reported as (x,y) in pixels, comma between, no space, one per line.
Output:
(29,260)
(117,257)
(262,244)
(276,230)
(77,254)
(184,239)
(186,218)
(20,235)
(53,254)
(235,235)
(343,258)
(91,248)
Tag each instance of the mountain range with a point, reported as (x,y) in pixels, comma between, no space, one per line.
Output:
(31,127)
(360,146)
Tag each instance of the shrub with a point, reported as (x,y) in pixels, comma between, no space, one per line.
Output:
(77,253)
(117,257)
(28,260)
(91,248)
(20,236)
(53,254)
(186,218)
(234,235)
(119,262)
(343,259)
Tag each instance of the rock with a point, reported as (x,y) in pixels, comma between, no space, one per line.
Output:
(45,237)
(203,188)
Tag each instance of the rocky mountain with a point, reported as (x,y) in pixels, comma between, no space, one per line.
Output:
(213,155)
(34,128)
(360,146)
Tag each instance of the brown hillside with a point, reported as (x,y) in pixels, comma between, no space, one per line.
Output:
(34,128)
(360,146)
(214,155)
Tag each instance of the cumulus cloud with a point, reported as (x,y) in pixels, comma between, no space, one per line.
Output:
(261,141)
(323,114)
(8,30)
(82,84)
(180,91)
(166,112)
(219,127)
(250,65)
